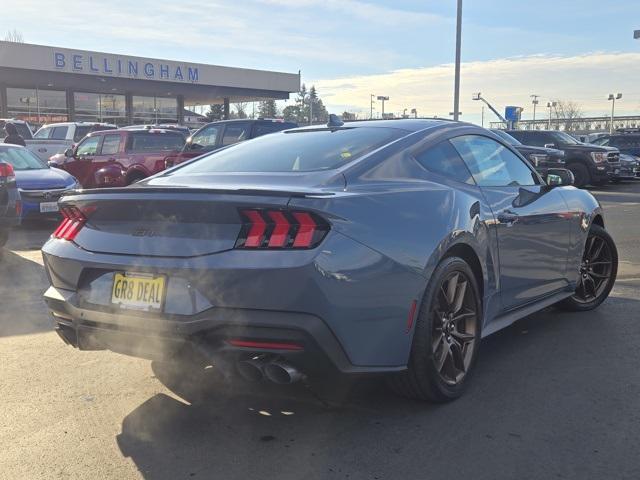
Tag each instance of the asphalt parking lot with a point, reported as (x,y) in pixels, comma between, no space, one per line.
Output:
(554,396)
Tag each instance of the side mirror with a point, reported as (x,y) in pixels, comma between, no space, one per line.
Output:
(549,145)
(68,152)
(559,176)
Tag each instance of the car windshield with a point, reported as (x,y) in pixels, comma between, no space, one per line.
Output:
(296,151)
(564,138)
(506,137)
(21,159)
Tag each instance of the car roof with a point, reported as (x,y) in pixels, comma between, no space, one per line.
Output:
(407,124)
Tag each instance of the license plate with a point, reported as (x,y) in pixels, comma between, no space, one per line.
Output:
(48,207)
(138,291)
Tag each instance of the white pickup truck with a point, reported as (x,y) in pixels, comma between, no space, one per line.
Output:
(57,137)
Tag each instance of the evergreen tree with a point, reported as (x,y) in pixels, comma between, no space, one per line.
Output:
(216,112)
(268,109)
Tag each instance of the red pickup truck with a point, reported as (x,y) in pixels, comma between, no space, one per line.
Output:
(116,158)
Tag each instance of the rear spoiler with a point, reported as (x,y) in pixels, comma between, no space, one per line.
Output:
(107,192)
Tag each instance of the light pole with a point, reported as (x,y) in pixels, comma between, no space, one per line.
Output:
(456,84)
(613,99)
(534,101)
(371,114)
(383,99)
(549,105)
(415,112)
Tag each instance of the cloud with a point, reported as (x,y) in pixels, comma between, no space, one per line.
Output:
(586,79)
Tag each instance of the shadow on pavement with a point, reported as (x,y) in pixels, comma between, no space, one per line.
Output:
(546,381)
(22,283)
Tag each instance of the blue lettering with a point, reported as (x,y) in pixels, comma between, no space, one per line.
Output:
(148,70)
(58,59)
(106,67)
(119,67)
(193,74)
(133,68)
(92,67)
(77,62)
(164,71)
(178,74)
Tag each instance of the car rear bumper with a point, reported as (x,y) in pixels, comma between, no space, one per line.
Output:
(207,334)
(345,304)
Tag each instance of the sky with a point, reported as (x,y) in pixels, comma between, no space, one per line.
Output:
(577,50)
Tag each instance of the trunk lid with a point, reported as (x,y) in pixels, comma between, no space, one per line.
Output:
(180,218)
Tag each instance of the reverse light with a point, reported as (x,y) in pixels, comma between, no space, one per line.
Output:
(73,221)
(280,229)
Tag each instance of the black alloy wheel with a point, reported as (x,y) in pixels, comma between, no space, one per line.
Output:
(446,336)
(597,273)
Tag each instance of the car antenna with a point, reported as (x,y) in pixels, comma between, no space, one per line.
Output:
(334,121)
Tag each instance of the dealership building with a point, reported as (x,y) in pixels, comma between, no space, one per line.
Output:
(43,84)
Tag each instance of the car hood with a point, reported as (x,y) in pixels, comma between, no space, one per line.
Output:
(590,147)
(529,149)
(629,160)
(45,178)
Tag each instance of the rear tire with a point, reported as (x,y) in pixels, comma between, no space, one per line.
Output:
(446,337)
(581,174)
(598,271)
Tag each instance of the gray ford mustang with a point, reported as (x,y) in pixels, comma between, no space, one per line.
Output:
(369,247)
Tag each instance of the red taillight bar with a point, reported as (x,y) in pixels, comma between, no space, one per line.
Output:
(72,222)
(264,345)
(6,171)
(281,229)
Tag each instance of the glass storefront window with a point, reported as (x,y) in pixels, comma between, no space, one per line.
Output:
(37,106)
(154,110)
(100,107)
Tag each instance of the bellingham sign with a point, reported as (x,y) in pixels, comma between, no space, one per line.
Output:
(121,67)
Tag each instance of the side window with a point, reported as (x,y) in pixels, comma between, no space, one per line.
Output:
(59,133)
(81,132)
(604,141)
(235,132)
(44,132)
(110,144)
(491,163)
(207,137)
(263,128)
(444,159)
(89,146)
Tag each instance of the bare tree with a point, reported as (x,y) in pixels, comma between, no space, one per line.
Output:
(14,36)
(568,113)
(241,109)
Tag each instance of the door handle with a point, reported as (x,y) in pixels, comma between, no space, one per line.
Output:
(508,218)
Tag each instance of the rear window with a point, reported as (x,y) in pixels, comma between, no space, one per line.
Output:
(155,142)
(81,132)
(21,159)
(264,128)
(296,151)
(23,130)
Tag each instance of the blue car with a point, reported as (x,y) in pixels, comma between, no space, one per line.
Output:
(378,247)
(40,186)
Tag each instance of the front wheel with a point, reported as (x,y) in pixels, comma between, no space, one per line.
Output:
(581,174)
(598,270)
(446,337)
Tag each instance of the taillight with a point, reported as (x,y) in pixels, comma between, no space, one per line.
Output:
(72,222)
(6,172)
(280,229)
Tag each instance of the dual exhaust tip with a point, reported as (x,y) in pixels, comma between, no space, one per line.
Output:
(276,371)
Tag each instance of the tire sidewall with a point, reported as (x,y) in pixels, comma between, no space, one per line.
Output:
(580,173)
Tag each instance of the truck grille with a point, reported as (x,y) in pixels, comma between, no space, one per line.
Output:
(42,195)
(613,157)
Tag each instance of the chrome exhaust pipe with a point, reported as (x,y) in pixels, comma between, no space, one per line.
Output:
(282,373)
(252,369)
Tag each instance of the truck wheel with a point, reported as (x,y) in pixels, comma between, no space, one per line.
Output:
(580,173)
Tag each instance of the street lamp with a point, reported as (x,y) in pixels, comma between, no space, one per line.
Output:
(613,99)
(535,102)
(415,112)
(371,114)
(549,106)
(383,99)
